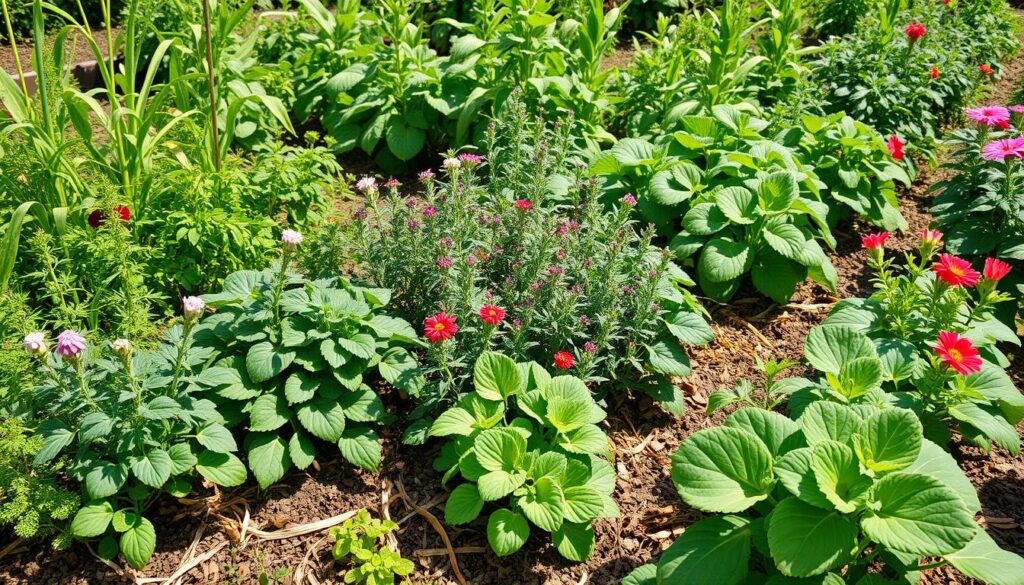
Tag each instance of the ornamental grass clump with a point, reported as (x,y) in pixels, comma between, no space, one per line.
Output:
(512,251)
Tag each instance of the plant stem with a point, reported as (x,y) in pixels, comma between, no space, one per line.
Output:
(185,334)
(213,89)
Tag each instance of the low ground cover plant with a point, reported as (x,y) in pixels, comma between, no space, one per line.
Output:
(357,542)
(927,336)
(844,494)
(530,441)
(513,252)
(291,364)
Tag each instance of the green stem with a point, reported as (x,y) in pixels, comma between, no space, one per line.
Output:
(186,333)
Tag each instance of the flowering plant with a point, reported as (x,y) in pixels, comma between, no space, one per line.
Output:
(531,440)
(981,206)
(932,326)
(292,358)
(529,263)
(132,427)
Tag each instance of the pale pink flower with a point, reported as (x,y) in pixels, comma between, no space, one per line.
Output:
(366,184)
(291,239)
(35,342)
(193,307)
(70,344)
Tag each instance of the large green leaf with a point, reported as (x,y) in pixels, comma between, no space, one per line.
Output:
(216,438)
(405,141)
(507,532)
(723,469)
(724,260)
(806,540)
(828,421)
(154,468)
(918,514)
(223,469)
(322,417)
(714,550)
(889,440)
(936,462)
(829,347)
(837,473)
(269,458)
(269,413)
(138,543)
(264,361)
(777,432)
(500,449)
(495,376)
(361,446)
(92,519)
(575,541)
(543,504)
(464,505)
(984,560)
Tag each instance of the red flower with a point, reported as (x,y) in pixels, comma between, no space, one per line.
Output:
(985,69)
(995,269)
(1003,124)
(98,217)
(955,271)
(915,30)
(958,353)
(440,327)
(524,204)
(935,72)
(895,147)
(492,314)
(564,360)
(872,241)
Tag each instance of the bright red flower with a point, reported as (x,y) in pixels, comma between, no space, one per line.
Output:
(872,241)
(955,271)
(895,147)
(1003,125)
(564,360)
(958,353)
(492,314)
(439,327)
(995,269)
(985,69)
(98,216)
(524,204)
(935,73)
(915,30)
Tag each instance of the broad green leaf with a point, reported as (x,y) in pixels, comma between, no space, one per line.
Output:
(690,327)
(507,532)
(806,540)
(269,413)
(543,504)
(405,141)
(588,439)
(837,473)
(454,421)
(777,432)
(566,414)
(92,519)
(666,357)
(56,435)
(216,438)
(138,543)
(857,377)
(301,450)
(154,468)
(104,479)
(582,504)
(982,559)
(642,575)
(264,361)
(934,461)
(495,376)
(223,469)
(724,260)
(268,458)
(300,387)
(361,447)
(828,421)
(778,191)
(182,458)
(464,505)
(829,347)
(495,485)
(574,541)
(500,449)
(795,474)
(889,440)
(322,417)
(918,514)
(723,470)
(714,550)
(738,204)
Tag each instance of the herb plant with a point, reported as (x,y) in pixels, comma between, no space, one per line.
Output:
(357,541)
(291,362)
(533,442)
(839,491)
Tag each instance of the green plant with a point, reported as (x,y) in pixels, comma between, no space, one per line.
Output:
(131,429)
(32,502)
(899,339)
(530,440)
(534,242)
(769,396)
(291,359)
(839,491)
(837,17)
(357,541)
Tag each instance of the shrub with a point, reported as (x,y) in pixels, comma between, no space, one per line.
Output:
(531,440)
(357,541)
(838,491)
(131,429)
(930,340)
(292,358)
(533,243)
(32,503)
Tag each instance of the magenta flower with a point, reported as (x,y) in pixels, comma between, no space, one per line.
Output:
(629,200)
(1002,149)
(471,159)
(590,347)
(989,115)
(429,211)
(1016,109)
(426,176)
(444,262)
(70,345)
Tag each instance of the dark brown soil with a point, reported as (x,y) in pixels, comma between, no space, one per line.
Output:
(644,437)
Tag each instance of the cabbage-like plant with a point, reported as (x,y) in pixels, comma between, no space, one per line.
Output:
(833,497)
(530,442)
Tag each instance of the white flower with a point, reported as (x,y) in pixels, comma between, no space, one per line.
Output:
(35,342)
(366,184)
(122,346)
(291,239)
(193,307)
(451,163)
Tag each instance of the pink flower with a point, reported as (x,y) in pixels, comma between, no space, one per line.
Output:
(291,239)
(366,184)
(895,147)
(524,204)
(629,199)
(915,31)
(590,347)
(35,342)
(70,345)
(1002,149)
(958,353)
(444,262)
(492,314)
(989,115)
(429,211)
(930,237)
(393,183)
(122,347)
(955,271)
(995,269)
(192,307)
(1016,109)
(426,176)
(873,241)
(471,159)
(440,327)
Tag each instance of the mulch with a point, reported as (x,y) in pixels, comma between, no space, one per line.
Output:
(644,436)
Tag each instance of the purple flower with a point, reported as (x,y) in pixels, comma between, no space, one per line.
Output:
(584,320)
(446,242)
(413,224)
(35,342)
(429,211)
(627,290)
(629,200)
(472,260)
(498,251)
(536,286)
(590,347)
(555,270)
(361,214)
(444,262)
(70,345)
(517,323)
(411,203)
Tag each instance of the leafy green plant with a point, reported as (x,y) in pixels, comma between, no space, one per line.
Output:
(357,542)
(929,341)
(530,440)
(747,204)
(291,360)
(839,491)
(131,428)
(32,502)
(534,243)
(771,394)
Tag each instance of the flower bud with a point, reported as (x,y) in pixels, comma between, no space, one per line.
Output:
(291,239)
(193,308)
(35,342)
(70,345)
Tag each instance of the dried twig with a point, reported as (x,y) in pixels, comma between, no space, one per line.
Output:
(440,552)
(185,568)
(437,527)
(13,548)
(300,571)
